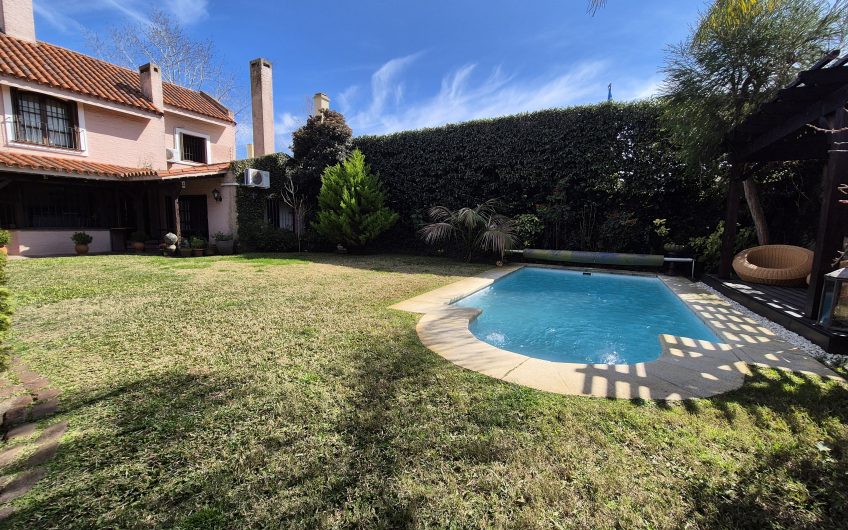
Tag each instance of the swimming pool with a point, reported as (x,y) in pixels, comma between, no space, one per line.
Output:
(568,316)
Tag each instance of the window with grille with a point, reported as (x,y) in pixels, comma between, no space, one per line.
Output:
(45,120)
(193,148)
(278,214)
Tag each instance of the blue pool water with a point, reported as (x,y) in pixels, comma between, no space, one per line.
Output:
(566,316)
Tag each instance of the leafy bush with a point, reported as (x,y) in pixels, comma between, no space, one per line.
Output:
(580,170)
(220,236)
(4,237)
(708,248)
(352,204)
(259,236)
(323,142)
(81,238)
(478,228)
(197,242)
(528,228)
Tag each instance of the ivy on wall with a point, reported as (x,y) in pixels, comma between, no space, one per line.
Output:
(596,175)
(250,202)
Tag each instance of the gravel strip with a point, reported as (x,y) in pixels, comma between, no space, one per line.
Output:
(814,350)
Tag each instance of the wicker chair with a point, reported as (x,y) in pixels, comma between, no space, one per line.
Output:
(774,265)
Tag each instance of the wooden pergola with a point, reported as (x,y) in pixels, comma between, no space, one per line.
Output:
(807,120)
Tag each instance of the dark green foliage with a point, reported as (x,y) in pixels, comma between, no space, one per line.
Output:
(259,236)
(481,227)
(4,237)
(351,204)
(595,175)
(324,141)
(254,233)
(81,238)
(708,248)
(528,229)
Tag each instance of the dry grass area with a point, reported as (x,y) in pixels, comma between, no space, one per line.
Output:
(281,392)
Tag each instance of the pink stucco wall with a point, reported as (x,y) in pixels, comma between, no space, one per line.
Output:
(54,242)
(128,139)
(221,214)
(222,137)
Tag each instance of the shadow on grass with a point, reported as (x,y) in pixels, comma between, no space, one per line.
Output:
(804,485)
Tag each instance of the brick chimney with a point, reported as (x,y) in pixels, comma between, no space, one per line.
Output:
(262,104)
(320,101)
(151,84)
(16,19)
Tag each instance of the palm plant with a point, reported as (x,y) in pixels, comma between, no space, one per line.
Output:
(481,227)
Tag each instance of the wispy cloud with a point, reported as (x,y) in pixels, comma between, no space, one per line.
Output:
(65,16)
(464,95)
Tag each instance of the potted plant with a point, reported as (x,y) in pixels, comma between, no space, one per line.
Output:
(224,243)
(81,240)
(198,245)
(185,249)
(137,240)
(4,240)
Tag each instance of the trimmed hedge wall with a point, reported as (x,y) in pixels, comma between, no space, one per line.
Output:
(596,175)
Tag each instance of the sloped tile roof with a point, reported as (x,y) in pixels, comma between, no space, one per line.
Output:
(69,165)
(61,68)
(206,169)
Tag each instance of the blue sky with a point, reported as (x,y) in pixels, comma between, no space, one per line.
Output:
(397,65)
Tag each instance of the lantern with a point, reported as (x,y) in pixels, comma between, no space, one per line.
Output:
(833,312)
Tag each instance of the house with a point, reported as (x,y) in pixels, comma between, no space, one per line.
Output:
(90,146)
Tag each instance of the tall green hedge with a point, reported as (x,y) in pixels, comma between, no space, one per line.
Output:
(253,232)
(596,175)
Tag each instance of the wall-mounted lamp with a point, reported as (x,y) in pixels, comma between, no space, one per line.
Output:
(217,195)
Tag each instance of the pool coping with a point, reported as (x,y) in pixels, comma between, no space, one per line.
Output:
(687,368)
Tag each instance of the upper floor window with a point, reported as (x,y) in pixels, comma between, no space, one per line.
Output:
(193,148)
(44,120)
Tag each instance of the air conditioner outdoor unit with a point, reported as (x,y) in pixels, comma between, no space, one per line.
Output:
(257,178)
(171,155)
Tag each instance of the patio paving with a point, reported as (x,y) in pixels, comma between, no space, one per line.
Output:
(686,369)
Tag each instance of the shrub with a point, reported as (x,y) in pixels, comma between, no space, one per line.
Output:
(259,236)
(478,228)
(197,242)
(323,142)
(220,236)
(708,248)
(81,238)
(4,237)
(528,228)
(351,204)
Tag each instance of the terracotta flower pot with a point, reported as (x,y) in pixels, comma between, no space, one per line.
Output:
(81,249)
(185,252)
(138,246)
(197,252)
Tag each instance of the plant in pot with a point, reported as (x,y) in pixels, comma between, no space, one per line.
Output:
(224,243)
(198,245)
(81,241)
(4,240)
(185,249)
(137,240)
(670,247)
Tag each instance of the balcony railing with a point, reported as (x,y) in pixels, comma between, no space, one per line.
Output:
(62,138)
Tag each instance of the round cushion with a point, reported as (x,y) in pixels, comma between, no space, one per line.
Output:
(774,265)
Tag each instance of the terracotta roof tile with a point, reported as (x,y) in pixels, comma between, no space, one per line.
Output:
(206,169)
(68,165)
(58,67)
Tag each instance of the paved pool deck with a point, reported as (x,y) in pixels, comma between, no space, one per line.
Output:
(686,369)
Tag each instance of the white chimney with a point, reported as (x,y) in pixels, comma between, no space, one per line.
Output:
(262,103)
(151,84)
(320,101)
(16,19)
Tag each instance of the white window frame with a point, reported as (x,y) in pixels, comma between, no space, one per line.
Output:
(9,126)
(178,146)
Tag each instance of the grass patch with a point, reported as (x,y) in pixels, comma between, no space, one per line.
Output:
(212,397)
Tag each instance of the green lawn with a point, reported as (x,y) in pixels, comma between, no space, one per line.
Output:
(280,391)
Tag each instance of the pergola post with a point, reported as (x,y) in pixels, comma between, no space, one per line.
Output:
(833,220)
(728,238)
